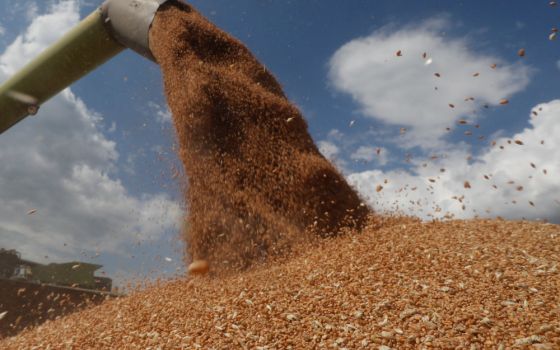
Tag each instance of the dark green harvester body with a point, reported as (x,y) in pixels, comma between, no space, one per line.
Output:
(71,274)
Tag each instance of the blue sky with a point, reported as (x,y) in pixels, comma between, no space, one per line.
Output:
(377,115)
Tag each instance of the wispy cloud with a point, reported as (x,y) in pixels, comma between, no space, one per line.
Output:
(380,155)
(161,113)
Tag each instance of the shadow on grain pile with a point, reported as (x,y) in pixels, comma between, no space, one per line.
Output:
(256,181)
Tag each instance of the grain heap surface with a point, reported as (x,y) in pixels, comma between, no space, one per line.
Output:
(256,180)
(406,285)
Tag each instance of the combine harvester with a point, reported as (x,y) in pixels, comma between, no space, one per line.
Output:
(113,27)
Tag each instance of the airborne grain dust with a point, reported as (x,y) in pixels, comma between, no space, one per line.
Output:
(257,182)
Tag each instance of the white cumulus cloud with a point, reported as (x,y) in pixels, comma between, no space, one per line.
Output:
(404,90)
(61,164)
(517,178)
(42,31)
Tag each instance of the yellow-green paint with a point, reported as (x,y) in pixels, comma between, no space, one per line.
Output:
(80,51)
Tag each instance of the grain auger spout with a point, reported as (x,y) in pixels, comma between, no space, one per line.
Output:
(113,27)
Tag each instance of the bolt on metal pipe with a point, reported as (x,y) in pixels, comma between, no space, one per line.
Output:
(116,25)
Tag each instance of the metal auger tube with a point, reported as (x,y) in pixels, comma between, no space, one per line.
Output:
(129,22)
(116,25)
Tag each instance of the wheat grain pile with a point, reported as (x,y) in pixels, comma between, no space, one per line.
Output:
(404,285)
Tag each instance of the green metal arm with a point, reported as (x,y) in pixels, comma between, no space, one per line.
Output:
(80,51)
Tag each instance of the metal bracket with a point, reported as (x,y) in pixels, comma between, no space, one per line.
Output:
(129,22)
